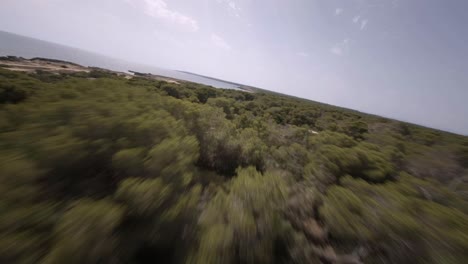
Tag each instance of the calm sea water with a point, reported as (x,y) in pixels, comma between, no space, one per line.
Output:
(16,45)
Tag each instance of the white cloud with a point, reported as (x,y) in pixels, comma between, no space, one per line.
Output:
(356,19)
(159,9)
(341,47)
(220,42)
(303,54)
(364,23)
(338,11)
(336,50)
(232,7)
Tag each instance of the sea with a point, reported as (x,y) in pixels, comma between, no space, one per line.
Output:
(26,47)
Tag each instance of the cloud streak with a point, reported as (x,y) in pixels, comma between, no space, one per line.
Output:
(338,11)
(340,48)
(160,10)
(356,19)
(220,42)
(364,23)
(233,8)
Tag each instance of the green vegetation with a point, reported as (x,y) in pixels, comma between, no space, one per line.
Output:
(96,168)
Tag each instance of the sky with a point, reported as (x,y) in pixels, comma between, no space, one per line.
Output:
(404,59)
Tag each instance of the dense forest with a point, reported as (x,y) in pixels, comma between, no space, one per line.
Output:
(99,168)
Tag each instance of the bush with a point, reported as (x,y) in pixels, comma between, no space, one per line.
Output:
(86,233)
(252,210)
(11,94)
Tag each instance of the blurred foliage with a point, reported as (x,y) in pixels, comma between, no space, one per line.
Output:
(242,224)
(97,168)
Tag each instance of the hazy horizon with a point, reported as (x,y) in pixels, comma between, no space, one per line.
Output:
(398,59)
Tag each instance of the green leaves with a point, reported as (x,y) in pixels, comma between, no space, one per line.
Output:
(362,161)
(85,233)
(252,210)
(343,212)
(143,197)
(172,158)
(403,217)
(129,161)
(110,170)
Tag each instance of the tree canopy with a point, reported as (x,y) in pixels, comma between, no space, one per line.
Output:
(98,168)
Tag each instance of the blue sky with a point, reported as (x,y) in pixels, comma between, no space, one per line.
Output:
(405,59)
